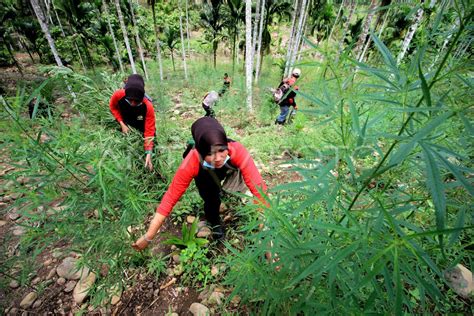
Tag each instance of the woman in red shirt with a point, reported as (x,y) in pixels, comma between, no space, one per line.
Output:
(214,159)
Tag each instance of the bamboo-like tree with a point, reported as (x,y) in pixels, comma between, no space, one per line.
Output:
(64,35)
(259,42)
(183,51)
(157,38)
(363,38)
(255,28)
(337,18)
(137,39)
(248,52)
(125,36)
(298,36)
(292,37)
(187,28)
(111,31)
(44,27)
(411,33)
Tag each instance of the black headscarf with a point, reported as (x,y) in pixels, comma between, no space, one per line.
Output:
(208,132)
(135,87)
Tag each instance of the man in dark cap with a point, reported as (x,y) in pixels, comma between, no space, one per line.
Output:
(130,107)
(213,160)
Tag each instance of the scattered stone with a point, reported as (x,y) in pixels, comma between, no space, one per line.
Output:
(227,218)
(70,286)
(51,274)
(156,292)
(36,281)
(178,270)
(150,285)
(204,232)
(13,215)
(28,300)
(68,269)
(13,311)
(216,298)
(115,299)
(198,309)
(57,253)
(173,247)
(37,303)
(82,288)
(47,262)
(235,301)
(19,230)
(460,280)
(190,219)
(14,284)
(176,258)
(61,281)
(202,224)
(2,223)
(214,270)
(169,272)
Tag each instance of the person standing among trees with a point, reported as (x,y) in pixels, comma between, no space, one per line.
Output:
(213,160)
(288,99)
(208,102)
(225,85)
(131,108)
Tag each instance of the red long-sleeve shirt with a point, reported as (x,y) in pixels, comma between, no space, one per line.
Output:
(149,130)
(189,169)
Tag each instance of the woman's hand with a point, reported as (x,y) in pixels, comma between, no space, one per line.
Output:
(148,163)
(140,244)
(125,128)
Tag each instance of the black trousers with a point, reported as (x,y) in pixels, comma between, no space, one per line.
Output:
(208,184)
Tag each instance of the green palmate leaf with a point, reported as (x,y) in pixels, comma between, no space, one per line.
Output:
(436,187)
(424,87)
(387,56)
(325,262)
(456,172)
(405,149)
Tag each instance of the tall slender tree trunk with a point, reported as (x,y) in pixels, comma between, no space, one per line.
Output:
(125,36)
(255,29)
(187,28)
(299,32)
(363,38)
(346,27)
(137,38)
(79,55)
(300,41)
(259,42)
(410,34)
(183,51)
(45,29)
(157,41)
(111,31)
(337,18)
(248,52)
(292,38)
